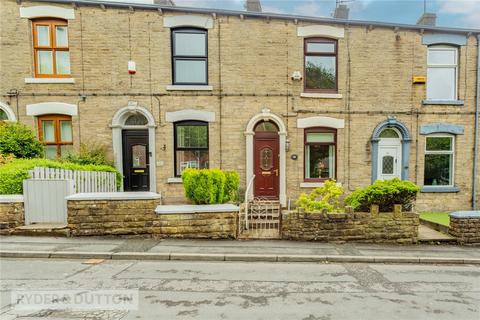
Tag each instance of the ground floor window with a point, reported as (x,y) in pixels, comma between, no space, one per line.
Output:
(55,131)
(320,154)
(439,161)
(191,145)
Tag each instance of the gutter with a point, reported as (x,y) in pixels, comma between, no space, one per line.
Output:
(475,143)
(264,15)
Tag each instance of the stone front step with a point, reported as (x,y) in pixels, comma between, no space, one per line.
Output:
(42,229)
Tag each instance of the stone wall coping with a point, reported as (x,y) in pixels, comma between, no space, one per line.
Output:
(465,214)
(8,198)
(115,196)
(192,208)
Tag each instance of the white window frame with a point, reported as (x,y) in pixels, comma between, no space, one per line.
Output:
(455,65)
(452,152)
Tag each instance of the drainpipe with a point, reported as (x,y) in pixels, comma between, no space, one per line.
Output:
(475,143)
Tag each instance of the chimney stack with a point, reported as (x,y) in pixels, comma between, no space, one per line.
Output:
(341,12)
(253,5)
(164,2)
(427,19)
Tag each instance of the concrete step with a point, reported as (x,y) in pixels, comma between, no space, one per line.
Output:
(43,229)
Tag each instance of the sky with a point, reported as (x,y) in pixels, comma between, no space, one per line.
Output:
(450,13)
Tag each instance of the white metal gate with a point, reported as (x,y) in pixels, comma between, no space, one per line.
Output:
(44,200)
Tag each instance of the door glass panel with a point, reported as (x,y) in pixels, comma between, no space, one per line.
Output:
(63,62)
(266,126)
(50,152)
(389,133)
(3,115)
(43,36)
(136,120)
(387,165)
(139,156)
(65,131)
(48,131)
(45,62)
(266,159)
(61,37)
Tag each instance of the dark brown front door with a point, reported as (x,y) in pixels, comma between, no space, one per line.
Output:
(266,164)
(135,160)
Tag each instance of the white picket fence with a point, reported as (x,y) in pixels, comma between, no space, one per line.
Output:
(84,181)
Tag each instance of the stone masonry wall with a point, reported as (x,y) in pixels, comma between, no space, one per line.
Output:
(466,230)
(12,215)
(135,217)
(396,227)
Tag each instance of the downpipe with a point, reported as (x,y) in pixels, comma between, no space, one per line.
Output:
(475,143)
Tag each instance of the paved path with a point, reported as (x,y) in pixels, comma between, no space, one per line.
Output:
(267,247)
(239,290)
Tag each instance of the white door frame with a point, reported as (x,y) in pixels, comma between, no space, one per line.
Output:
(266,115)
(390,143)
(118,124)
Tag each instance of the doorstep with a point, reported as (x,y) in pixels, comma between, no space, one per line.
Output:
(43,229)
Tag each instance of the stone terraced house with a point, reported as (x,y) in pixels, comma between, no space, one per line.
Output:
(290,100)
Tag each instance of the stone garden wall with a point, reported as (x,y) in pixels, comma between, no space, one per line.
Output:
(465,226)
(12,213)
(96,217)
(391,227)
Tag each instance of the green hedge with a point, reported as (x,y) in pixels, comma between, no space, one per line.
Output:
(14,172)
(384,194)
(210,186)
(19,140)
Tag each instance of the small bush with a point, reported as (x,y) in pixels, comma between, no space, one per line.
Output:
(326,197)
(384,194)
(19,140)
(210,186)
(93,153)
(15,171)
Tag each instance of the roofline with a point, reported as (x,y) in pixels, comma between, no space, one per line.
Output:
(145,6)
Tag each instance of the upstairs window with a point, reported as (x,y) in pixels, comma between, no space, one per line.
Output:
(190,57)
(439,161)
(442,73)
(191,145)
(320,154)
(55,132)
(320,65)
(50,44)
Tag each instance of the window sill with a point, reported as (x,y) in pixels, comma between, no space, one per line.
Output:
(321,95)
(49,80)
(315,184)
(439,189)
(174,180)
(189,88)
(444,102)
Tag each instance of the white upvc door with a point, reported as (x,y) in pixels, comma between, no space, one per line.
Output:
(389,159)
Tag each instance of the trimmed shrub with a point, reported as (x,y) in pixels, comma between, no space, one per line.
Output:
(210,186)
(15,171)
(93,153)
(326,197)
(19,140)
(384,194)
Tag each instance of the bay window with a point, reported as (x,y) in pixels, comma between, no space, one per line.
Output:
(439,160)
(190,57)
(442,73)
(191,145)
(320,154)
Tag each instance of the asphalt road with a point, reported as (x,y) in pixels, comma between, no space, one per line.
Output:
(227,290)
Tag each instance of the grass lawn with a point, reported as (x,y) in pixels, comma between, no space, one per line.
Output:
(437,217)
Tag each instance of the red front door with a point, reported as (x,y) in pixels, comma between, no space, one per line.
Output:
(266,147)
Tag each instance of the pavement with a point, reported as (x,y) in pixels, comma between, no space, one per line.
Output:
(240,290)
(228,250)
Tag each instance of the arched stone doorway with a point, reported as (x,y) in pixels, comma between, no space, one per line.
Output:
(265,149)
(133,133)
(390,150)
